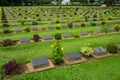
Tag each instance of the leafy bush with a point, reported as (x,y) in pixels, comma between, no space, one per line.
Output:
(110,17)
(87,51)
(57,52)
(86,18)
(58,36)
(93,24)
(58,26)
(117,28)
(7,31)
(57,20)
(36,37)
(34,23)
(39,19)
(8,42)
(77,19)
(105,29)
(22,22)
(103,22)
(112,48)
(27,29)
(82,24)
(12,67)
(70,25)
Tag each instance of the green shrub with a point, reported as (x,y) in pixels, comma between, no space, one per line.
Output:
(27,29)
(77,19)
(86,18)
(58,36)
(82,24)
(87,51)
(58,26)
(93,24)
(22,22)
(117,28)
(57,20)
(110,17)
(103,22)
(57,52)
(112,48)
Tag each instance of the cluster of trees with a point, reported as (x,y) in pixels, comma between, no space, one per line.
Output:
(43,2)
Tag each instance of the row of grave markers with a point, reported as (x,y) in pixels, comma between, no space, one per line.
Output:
(65,36)
(43,63)
(18,30)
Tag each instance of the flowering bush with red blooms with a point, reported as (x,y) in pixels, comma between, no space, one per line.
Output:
(36,37)
(12,67)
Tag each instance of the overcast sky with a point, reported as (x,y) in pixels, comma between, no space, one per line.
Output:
(65,1)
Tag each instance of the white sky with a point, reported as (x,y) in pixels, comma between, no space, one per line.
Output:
(65,1)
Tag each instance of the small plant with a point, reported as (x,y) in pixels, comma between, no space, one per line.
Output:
(57,52)
(22,22)
(58,26)
(110,18)
(82,24)
(105,29)
(36,37)
(93,24)
(34,23)
(39,19)
(103,22)
(8,42)
(86,18)
(112,48)
(77,19)
(86,51)
(58,36)
(57,20)
(7,31)
(117,28)
(70,25)
(27,29)
(12,67)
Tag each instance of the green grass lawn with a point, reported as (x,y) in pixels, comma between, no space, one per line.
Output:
(24,53)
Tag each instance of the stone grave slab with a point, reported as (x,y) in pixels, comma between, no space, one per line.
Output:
(111,30)
(48,37)
(83,33)
(67,35)
(100,50)
(19,30)
(25,40)
(76,25)
(64,26)
(39,62)
(50,27)
(98,31)
(73,55)
(35,29)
